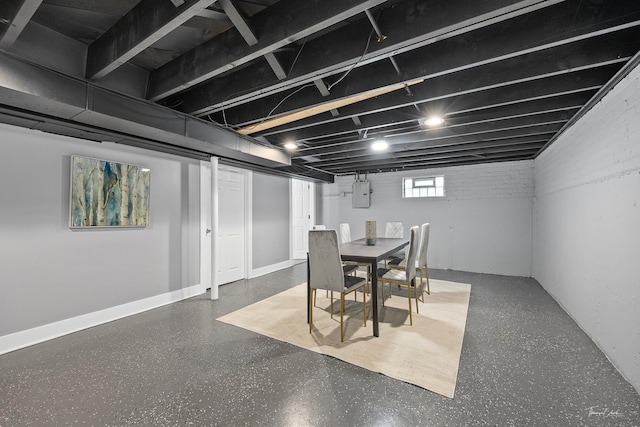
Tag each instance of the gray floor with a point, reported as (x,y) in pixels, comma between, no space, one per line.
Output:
(524,362)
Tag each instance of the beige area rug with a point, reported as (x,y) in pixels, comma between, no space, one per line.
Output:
(426,354)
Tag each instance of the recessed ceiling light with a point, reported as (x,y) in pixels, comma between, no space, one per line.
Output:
(379,145)
(290,146)
(434,121)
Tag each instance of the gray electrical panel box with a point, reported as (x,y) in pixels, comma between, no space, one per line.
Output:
(361,194)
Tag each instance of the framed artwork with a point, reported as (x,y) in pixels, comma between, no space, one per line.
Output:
(108,194)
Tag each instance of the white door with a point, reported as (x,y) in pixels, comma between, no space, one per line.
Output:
(231,224)
(206,221)
(301,219)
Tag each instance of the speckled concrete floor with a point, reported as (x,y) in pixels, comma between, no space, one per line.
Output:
(524,362)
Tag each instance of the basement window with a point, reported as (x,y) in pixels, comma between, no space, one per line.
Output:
(430,186)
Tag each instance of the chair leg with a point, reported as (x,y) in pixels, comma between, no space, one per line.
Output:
(415,293)
(409,297)
(367,291)
(364,306)
(382,287)
(368,274)
(331,304)
(426,273)
(311,310)
(419,270)
(341,317)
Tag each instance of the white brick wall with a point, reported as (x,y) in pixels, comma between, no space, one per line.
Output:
(586,248)
(604,146)
(483,224)
(478,182)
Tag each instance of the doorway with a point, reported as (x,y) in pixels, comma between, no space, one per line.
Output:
(231,253)
(302,216)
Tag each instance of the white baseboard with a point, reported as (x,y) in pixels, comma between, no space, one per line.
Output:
(39,334)
(271,268)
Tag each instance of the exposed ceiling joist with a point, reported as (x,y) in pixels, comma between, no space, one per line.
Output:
(437,95)
(316,61)
(146,23)
(14,16)
(328,76)
(436,67)
(478,144)
(228,51)
(244,29)
(238,21)
(389,120)
(363,147)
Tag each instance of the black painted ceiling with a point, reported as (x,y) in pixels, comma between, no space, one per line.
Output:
(332,76)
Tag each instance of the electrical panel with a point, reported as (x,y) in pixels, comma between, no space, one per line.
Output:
(361,194)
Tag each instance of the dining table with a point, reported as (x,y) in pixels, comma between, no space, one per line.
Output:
(359,251)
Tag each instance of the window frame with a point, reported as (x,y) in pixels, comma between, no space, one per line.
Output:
(423,187)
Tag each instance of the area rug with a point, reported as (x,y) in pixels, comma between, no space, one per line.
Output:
(426,354)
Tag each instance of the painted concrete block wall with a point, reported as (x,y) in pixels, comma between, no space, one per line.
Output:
(270,220)
(49,272)
(587,224)
(483,224)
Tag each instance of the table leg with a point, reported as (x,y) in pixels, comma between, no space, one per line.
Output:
(374,297)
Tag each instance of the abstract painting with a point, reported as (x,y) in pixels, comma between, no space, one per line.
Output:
(108,194)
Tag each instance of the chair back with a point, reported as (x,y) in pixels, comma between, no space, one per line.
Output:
(325,264)
(345,233)
(319,227)
(424,244)
(413,253)
(394,229)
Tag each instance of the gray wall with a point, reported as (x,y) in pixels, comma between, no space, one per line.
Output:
(587,224)
(49,272)
(483,224)
(271,220)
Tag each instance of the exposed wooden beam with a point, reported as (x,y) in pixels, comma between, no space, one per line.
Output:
(317,109)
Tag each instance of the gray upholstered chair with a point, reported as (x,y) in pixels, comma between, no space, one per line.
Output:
(345,233)
(347,267)
(326,272)
(421,260)
(406,277)
(345,236)
(395,229)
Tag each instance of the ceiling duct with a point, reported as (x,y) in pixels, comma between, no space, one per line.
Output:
(30,87)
